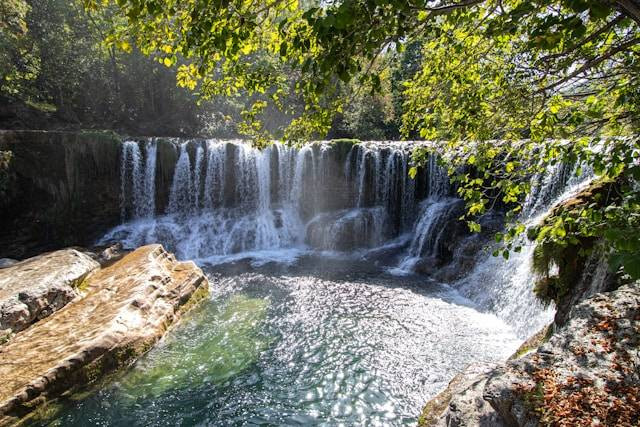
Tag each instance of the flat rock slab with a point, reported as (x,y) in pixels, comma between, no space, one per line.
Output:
(35,288)
(127,307)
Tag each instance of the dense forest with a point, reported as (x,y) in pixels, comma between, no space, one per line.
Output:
(59,72)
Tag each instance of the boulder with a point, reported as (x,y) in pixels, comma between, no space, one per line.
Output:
(126,308)
(35,288)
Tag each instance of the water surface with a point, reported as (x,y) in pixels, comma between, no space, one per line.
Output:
(302,346)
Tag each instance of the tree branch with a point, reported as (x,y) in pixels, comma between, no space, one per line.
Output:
(631,8)
(443,10)
(593,62)
(584,41)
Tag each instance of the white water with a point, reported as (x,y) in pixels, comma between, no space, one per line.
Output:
(278,198)
(137,177)
(229,201)
(505,287)
(426,233)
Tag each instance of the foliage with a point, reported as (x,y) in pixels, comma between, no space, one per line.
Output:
(75,80)
(17,64)
(552,79)
(605,211)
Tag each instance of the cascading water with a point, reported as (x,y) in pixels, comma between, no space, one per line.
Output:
(330,338)
(427,232)
(182,191)
(506,287)
(137,177)
(227,198)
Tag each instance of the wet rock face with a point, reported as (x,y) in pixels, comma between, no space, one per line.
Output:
(65,190)
(125,309)
(346,230)
(459,252)
(587,372)
(35,288)
(7,262)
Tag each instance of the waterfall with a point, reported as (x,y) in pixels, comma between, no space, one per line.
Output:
(427,232)
(214,175)
(505,287)
(552,185)
(197,172)
(226,197)
(438,181)
(303,165)
(182,194)
(137,180)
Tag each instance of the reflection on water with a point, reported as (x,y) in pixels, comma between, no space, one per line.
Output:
(289,349)
(227,346)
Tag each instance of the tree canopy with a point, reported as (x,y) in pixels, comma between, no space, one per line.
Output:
(510,86)
(507,87)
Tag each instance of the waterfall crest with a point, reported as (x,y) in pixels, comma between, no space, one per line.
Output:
(226,197)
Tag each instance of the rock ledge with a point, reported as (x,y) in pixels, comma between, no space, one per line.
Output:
(586,374)
(127,307)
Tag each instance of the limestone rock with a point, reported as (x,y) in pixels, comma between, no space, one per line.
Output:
(590,368)
(127,307)
(461,403)
(35,288)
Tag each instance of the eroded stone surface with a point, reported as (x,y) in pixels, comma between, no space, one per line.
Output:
(127,307)
(461,403)
(35,288)
(586,374)
(588,371)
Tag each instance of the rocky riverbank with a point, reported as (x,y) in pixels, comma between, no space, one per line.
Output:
(98,320)
(586,373)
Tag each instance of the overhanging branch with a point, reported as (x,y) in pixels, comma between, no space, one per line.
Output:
(593,63)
